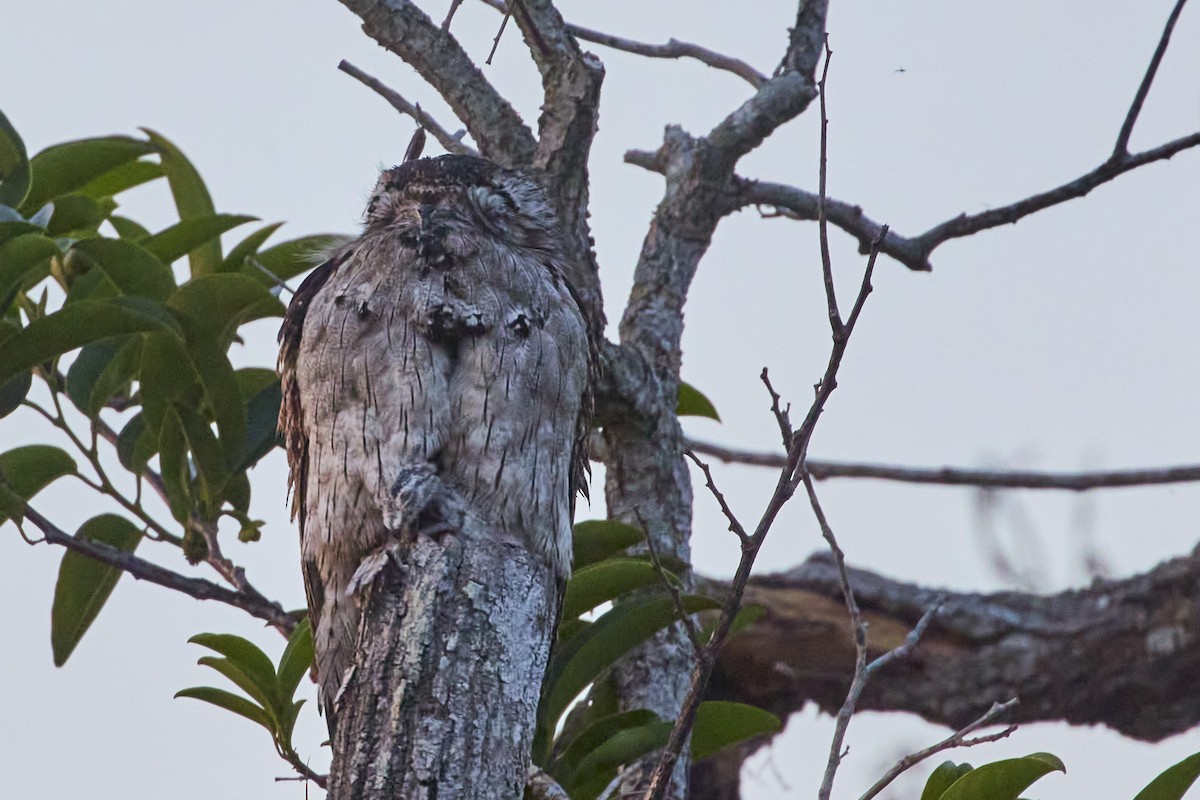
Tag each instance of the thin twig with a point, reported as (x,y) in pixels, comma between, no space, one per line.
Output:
(454,4)
(835,318)
(779,412)
(451,141)
(906,647)
(140,569)
(858,626)
(689,624)
(508,9)
(304,772)
(959,476)
(957,739)
(734,524)
(790,476)
(1121,149)
(673,49)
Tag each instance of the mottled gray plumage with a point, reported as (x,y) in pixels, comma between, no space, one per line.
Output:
(436,366)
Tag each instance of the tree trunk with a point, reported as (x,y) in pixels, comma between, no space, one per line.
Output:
(452,652)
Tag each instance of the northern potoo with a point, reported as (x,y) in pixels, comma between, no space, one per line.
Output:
(435,367)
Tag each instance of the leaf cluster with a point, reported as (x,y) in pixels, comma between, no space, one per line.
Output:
(132,329)
(1007,779)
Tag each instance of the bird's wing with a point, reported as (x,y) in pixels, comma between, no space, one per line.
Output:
(291,415)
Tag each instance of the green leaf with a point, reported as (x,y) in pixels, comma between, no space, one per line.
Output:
(720,724)
(191,235)
(288,259)
(236,259)
(230,702)
(594,735)
(225,301)
(1174,781)
(14,165)
(12,228)
(606,580)
(84,585)
(167,375)
(77,213)
(263,696)
(221,390)
(136,445)
(27,470)
(747,615)
(692,403)
(173,465)
(208,459)
(943,778)
(192,200)
(78,324)
(237,495)
(252,380)
(296,660)
(101,370)
(262,424)
(67,167)
(598,768)
(1003,780)
(288,724)
(598,539)
(128,229)
(134,270)
(14,390)
(126,176)
(601,701)
(91,284)
(20,257)
(591,653)
(249,659)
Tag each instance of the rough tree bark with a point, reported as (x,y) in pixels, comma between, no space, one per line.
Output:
(1120,653)
(466,620)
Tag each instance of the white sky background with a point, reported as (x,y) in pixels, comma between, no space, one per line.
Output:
(1068,341)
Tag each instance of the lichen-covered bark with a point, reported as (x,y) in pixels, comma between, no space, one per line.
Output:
(443,702)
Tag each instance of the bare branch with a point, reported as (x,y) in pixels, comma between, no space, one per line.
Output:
(981,648)
(957,739)
(499,33)
(966,225)
(858,626)
(454,4)
(734,524)
(249,600)
(915,252)
(799,204)
(401,27)
(452,142)
(789,477)
(672,49)
(835,318)
(910,642)
(1121,149)
(956,476)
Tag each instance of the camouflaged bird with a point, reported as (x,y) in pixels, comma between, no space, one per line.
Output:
(436,366)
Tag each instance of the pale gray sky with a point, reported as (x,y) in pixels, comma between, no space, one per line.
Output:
(1068,341)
